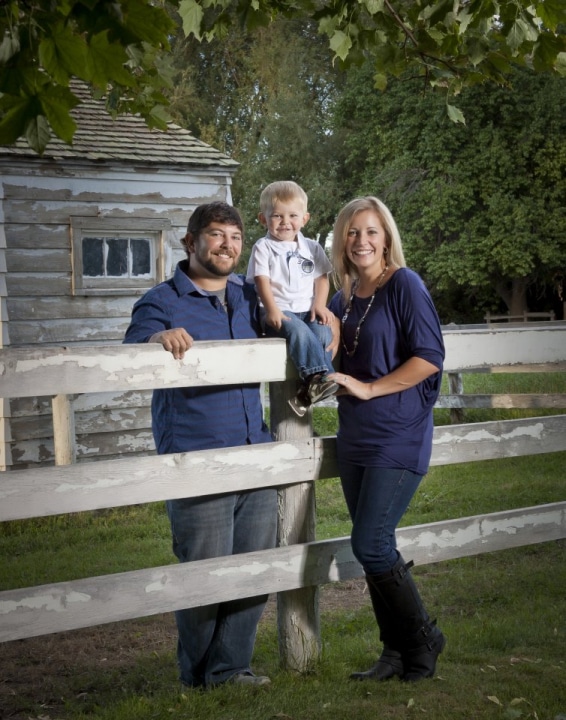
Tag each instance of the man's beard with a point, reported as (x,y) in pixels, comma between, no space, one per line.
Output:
(213,269)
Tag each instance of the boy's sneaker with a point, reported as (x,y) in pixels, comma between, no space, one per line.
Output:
(316,388)
(297,406)
(301,402)
(320,388)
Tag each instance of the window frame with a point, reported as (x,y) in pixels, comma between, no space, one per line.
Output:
(108,227)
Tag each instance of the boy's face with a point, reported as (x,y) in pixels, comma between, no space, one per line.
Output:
(285,220)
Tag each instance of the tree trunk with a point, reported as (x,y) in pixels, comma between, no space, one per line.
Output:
(514,295)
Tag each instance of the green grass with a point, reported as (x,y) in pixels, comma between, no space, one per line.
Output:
(503,613)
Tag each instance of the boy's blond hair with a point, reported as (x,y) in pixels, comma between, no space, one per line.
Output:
(282,191)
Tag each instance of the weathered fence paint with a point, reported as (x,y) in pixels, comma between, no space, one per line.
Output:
(298,565)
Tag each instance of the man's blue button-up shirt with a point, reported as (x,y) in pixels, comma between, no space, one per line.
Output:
(199,418)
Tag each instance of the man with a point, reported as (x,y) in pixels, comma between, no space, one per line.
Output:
(204,300)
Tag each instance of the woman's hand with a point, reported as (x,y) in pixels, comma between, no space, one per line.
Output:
(406,376)
(350,386)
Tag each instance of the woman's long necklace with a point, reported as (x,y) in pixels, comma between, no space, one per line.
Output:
(379,283)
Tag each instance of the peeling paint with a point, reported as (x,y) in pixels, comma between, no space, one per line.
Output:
(481,530)
(104,482)
(293,566)
(516,524)
(535,430)
(157,585)
(273,460)
(44,602)
(253,569)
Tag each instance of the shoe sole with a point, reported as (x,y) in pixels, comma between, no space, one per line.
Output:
(297,408)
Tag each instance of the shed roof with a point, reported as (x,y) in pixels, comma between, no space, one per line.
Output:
(100,137)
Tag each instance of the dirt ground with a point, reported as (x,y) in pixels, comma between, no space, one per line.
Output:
(34,670)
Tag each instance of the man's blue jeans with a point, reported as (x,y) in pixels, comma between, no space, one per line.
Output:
(216,642)
(377,499)
(306,342)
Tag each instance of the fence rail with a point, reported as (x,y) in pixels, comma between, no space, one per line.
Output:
(292,464)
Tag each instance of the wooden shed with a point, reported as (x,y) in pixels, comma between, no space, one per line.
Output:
(84,231)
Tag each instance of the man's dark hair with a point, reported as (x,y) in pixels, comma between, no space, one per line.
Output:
(219,212)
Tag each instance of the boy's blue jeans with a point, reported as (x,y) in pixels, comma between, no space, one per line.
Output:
(377,499)
(216,641)
(306,342)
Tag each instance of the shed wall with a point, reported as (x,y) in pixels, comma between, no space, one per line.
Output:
(37,199)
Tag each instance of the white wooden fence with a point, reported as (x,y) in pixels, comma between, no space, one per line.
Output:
(298,565)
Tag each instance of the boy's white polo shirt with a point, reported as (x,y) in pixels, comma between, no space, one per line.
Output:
(292,268)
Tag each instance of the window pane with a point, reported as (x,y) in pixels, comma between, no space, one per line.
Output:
(141,257)
(117,260)
(93,257)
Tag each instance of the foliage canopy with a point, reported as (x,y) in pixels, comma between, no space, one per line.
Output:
(122,47)
(481,206)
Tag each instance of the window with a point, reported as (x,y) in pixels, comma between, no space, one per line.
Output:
(117,255)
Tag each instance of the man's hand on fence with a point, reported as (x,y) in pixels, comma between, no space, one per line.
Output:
(176,341)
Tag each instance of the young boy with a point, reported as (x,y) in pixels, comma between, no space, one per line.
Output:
(291,276)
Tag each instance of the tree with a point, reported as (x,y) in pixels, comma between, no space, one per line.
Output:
(481,207)
(266,99)
(121,47)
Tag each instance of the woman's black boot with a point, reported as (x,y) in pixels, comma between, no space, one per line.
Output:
(410,630)
(390,662)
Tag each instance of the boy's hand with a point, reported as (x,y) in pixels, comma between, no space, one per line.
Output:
(275,318)
(323,314)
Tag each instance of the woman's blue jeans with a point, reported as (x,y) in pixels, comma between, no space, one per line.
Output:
(306,342)
(216,641)
(377,499)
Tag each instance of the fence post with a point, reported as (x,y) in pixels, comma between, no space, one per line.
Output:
(298,616)
(63,430)
(456,387)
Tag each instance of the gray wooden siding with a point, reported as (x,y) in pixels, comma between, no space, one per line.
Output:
(37,199)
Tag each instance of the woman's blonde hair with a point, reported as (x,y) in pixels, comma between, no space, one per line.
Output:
(345,274)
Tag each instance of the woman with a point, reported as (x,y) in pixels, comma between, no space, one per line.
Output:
(391,366)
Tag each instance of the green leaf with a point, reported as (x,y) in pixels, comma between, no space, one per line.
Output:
(438,11)
(373,6)
(560,64)
(66,55)
(455,114)
(552,13)
(380,81)
(106,61)
(464,18)
(38,133)
(340,43)
(56,103)
(516,35)
(9,46)
(149,23)
(20,110)
(477,52)
(546,52)
(390,59)
(159,117)
(499,62)
(191,14)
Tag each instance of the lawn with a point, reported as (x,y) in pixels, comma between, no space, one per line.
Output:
(503,613)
